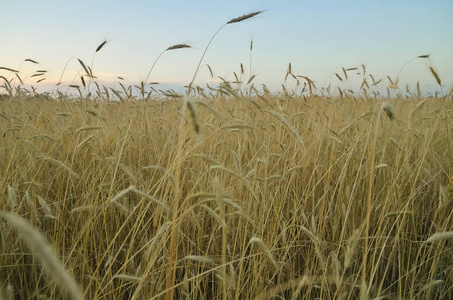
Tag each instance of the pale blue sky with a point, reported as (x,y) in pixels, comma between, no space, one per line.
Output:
(317,37)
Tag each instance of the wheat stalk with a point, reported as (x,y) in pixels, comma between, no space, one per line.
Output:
(257,241)
(232,21)
(174,47)
(193,115)
(98,48)
(288,125)
(43,251)
(61,164)
(425,56)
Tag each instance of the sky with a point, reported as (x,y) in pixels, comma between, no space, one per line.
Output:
(318,38)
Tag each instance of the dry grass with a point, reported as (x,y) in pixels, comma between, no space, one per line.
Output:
(236,198)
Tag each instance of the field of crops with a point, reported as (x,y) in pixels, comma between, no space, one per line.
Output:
(226,197)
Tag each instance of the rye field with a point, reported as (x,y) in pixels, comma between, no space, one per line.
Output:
(226,198)
(227,191)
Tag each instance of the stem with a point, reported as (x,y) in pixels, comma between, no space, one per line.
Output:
(170,278)
(62,73)
(152,67)
(397,76)
(204,53)
(90,75)
(372,157)
(251,50)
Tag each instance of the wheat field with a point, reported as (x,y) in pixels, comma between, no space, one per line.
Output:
(270,197)
(228,191)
